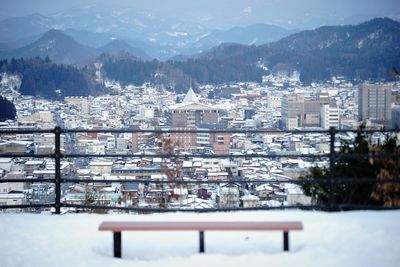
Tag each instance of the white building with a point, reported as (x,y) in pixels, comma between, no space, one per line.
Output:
(330,116)
(274,102)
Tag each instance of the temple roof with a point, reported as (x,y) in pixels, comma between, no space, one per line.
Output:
(192,106)
(190,97)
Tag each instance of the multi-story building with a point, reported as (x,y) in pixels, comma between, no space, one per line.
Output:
(374,103)
(191,113)
(80,102)
(311,117)
(396,117)
(184,139)
(330,116)
(45,143)
(292,111)
(274,101)
(219,142)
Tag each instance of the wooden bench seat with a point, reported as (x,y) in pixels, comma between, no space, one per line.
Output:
(118,226)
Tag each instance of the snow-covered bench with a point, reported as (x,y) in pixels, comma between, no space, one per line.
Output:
(201,226)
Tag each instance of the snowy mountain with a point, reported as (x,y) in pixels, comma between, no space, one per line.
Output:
(95,25)
(61,48)
(117,46)
(256,34)
(57,46)
(365,51)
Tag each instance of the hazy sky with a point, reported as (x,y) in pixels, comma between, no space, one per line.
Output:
(227,13)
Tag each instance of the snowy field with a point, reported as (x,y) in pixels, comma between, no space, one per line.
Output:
(364,238)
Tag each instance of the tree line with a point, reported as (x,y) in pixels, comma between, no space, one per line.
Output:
(41,77)
(375,162)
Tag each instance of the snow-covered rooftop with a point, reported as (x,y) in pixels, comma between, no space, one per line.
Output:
(190,97)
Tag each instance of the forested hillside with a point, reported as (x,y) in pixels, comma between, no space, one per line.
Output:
(41,77)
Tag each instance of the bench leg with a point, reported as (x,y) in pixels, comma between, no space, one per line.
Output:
(286,241)
(117,244)
(201,235)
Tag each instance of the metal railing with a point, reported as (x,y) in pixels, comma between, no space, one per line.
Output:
(333,157)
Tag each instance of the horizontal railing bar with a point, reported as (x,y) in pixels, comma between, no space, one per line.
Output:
(44,180)
(21,155)
(304,207)
(272,181)
(25,131)
(183,130)
(193,156)
(176,181)
(326,155)
(49,205)
(161,210)
(240,131)
(231,181)
(186,130)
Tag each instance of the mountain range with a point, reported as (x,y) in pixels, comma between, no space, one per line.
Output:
(360,52)
(159,38)
(61,48)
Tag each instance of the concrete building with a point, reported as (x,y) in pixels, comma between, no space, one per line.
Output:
(45,143)
(184,139)
(374,103)
(15,147)
(219,142)
(274,101)
(396,117)
(330,116)
(80,102)
(311,117)
(191,113)
(292,111)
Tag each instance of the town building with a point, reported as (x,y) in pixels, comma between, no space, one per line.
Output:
(330,116)
(191,113)
(374,103)
(292,111)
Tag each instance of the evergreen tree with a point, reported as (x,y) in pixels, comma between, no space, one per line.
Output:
(44,78)
(367,167)
(7,109)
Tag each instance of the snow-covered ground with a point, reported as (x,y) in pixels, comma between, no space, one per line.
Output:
(364,238)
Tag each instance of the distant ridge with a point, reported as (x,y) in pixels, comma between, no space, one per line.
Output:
(361,52)
(61,48)
(367,51)
(58,46)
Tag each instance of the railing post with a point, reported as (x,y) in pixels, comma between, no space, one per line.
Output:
(332,201)
(57,158)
